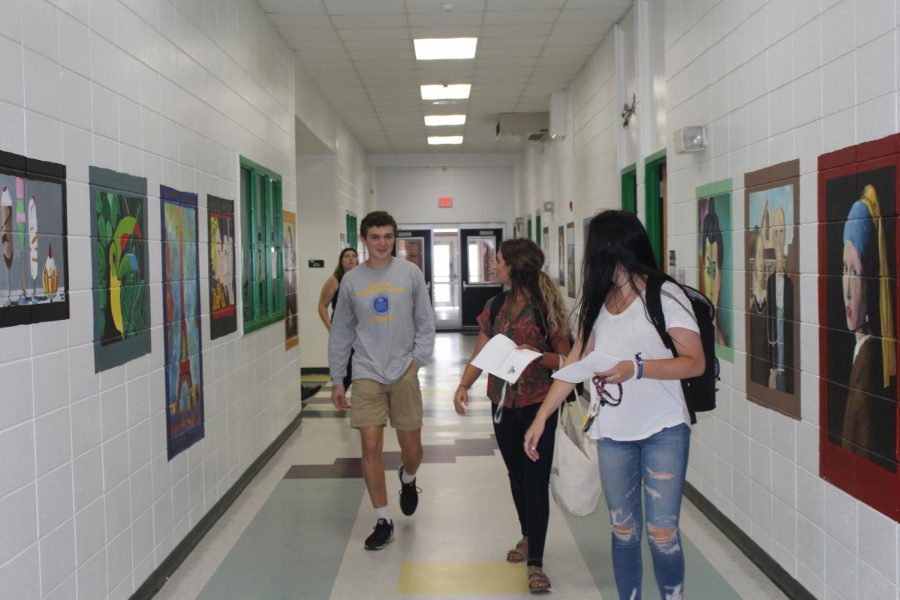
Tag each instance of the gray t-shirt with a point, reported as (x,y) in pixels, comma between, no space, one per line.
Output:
(386,317)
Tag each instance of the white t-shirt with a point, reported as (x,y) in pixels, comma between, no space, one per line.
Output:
(648,405)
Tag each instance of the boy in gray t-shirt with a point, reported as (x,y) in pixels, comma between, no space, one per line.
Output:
(384,315)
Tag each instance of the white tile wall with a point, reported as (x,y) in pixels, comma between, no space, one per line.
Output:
(173,94)
(773,80)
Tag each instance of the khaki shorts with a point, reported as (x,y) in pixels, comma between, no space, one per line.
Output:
(373,401)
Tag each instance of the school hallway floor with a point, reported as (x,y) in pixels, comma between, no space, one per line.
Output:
(297,531)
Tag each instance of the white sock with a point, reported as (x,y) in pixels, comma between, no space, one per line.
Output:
(406,477)
(383,513)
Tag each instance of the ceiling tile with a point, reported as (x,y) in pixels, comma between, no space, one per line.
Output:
(583,15)
(404,56)
(375,45)
(520,17)
(524,4)
(435,6)
(537,29)
(581,51)
(363,7)
(624,5)
(307,7)
(369,21)
(451,31)
(595,28)
(322,35)
(397,33)
(573,40)
(500,53)
(503,63)
(442,19)
(297,21)
(511,42)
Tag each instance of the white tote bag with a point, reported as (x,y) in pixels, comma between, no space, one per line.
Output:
(575,474)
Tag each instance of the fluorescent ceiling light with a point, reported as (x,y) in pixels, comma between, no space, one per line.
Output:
(445,48)
(455,91)
(435,140)
(438,120)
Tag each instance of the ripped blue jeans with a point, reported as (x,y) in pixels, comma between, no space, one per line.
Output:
(657,465)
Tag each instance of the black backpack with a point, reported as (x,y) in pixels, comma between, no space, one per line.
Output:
(699,392)
(497,303)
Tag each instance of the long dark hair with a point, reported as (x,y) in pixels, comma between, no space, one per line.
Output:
(615,238)
(525,260)
(339,270)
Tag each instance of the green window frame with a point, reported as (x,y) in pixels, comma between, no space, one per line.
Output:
(537,228)
(530,232)
(629,189)
(262,275)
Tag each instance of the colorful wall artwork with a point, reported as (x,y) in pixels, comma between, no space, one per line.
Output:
(772,266)
(121,274)
(561,251)
(181,319)
(222,308)
(291,329)
(858,295)
(715,259)
(570,259)
(34,278)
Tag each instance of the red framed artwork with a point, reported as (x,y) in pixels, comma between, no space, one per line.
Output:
(858,307)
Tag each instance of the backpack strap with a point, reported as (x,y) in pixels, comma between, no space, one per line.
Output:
(654,309)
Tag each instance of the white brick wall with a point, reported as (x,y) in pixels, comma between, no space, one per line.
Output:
(89,502)
(773,81)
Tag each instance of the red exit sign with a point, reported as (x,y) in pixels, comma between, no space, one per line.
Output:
(445,202)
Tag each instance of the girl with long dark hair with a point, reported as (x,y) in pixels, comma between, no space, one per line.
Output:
(533,315)
(643,430)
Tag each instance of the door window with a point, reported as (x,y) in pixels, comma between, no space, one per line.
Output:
(482,253)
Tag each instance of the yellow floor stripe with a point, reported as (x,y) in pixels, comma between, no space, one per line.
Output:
(462,578)
(315,378)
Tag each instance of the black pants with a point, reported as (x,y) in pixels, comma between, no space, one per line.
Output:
(528,480)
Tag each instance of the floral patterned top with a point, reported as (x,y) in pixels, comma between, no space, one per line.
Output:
(534,383)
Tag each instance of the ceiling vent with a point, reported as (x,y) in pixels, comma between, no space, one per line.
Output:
(533,127)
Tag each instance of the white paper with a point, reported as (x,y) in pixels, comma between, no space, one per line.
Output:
(595,362)
(501,358)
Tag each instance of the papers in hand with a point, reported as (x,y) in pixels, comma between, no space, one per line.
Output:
(501,358)
(585,368)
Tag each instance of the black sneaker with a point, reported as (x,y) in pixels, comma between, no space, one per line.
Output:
(383,535)
(409,495)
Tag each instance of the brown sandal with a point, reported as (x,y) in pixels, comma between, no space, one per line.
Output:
(538,582)
(519,553)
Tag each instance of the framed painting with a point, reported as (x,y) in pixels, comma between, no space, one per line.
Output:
(858,295)
(34,276)
(222,307)
(772,284)
(716,250)
(291,329)
(121,275)
(181,319)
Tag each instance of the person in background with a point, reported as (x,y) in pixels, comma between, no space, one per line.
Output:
(642,427)
(347,260)
(384,315)
(532,315)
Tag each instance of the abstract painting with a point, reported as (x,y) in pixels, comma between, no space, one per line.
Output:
(858,294)
(181,319)
(121,275)
(34,277)
(222,308)
(289,224)
(715,259)
(772,266)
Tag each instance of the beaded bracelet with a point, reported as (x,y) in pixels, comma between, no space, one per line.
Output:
(638,366)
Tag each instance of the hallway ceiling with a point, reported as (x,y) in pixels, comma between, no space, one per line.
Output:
(360,54)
